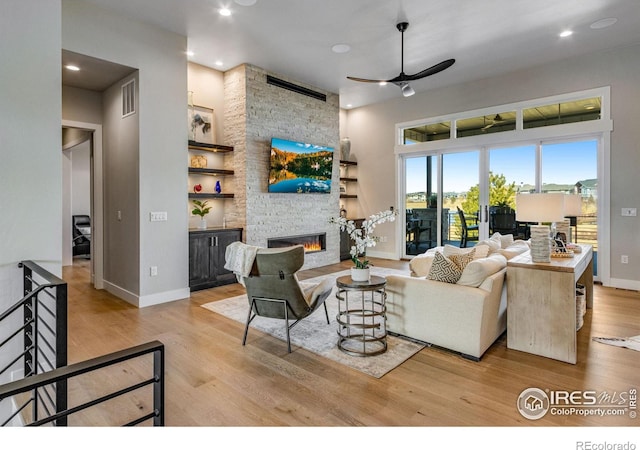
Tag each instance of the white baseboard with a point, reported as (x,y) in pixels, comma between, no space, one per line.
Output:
(146,300)
(624,284)
(164,297)
(381,255)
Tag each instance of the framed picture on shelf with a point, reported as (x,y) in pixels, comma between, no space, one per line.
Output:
(201,124)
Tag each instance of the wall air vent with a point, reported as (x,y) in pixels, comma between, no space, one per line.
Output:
(295,88)
(128,98)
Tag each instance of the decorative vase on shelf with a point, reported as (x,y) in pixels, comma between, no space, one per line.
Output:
(218,187)
(360,274)
(202,224)
(345,149)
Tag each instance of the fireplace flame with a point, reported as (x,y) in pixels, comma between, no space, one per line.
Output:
(314,246)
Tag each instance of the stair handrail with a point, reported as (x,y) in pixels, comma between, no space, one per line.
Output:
(63,374)
(43,328)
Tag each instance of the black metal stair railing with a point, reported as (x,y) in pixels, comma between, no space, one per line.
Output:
(40,320)
(36,343)
(66,373)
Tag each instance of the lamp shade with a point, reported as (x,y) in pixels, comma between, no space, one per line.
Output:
(572,205)
(540,207)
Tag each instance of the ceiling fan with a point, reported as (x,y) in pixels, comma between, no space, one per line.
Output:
(496,120)
(403,79)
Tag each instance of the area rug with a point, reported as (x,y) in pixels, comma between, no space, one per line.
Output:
(632,342)
(314,335)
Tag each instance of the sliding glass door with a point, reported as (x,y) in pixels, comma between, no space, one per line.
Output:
(421,203)
(458,197)
(572,167)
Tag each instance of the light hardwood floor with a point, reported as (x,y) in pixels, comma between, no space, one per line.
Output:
(212,380)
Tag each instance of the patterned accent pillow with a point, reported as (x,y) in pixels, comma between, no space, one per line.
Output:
(444,269)
(463,259)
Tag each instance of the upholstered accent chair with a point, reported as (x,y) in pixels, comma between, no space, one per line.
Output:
(81,234)
(273,289)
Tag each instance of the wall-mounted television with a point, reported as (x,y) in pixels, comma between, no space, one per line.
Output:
(300,168)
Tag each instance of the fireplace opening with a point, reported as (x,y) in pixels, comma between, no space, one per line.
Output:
(312,242)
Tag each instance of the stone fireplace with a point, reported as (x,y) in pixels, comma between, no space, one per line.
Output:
(255,112)
(312,243)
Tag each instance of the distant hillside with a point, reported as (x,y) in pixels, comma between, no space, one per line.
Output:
(590,184)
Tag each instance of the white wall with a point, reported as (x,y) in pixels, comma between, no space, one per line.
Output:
(162,176)
(371,130)
(30,136)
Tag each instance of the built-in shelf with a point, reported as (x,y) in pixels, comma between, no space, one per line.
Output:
(347,179)
(209,195)
(203,171)
(216,148)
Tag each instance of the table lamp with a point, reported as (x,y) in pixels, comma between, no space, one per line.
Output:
(547,207)
(572,209)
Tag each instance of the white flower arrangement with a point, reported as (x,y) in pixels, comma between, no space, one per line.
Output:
(363,237)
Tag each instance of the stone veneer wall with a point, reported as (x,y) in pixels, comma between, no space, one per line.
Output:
(254,113)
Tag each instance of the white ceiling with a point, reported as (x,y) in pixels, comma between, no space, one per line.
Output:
(293,38)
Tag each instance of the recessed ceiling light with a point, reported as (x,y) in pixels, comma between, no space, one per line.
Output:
(349,105)
(72,67)
(190,53)
(245,2)
(225,12)
(219,63)
(341,48)
(566,33)
(383,83)
(603,23)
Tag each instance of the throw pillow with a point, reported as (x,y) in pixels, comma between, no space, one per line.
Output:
(462,260)
(421,264)
(480,251)
(505,239)
(493,245)
(478,270)
(443,269)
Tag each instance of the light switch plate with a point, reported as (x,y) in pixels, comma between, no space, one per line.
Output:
(160,216)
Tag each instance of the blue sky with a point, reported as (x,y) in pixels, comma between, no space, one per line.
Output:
(297,147)
(563,163)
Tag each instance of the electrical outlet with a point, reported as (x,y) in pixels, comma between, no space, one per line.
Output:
(624,259)
(629,212)
(153,271)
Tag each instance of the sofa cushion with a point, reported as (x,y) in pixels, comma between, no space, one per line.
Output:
(448,270)
(478,270)
(517,248)
(479,251)
(505,239)
(421,264)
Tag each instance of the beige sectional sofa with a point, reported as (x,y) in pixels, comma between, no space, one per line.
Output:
(465,316)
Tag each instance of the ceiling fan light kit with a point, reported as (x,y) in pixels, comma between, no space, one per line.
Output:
(402,80)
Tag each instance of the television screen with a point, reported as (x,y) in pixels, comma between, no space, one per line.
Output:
(300,168)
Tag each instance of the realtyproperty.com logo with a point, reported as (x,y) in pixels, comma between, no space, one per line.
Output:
(534,403)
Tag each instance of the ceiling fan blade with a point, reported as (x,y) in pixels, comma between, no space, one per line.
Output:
(366,80)
(432,70)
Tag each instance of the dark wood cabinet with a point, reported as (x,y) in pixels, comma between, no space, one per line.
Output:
(206,257)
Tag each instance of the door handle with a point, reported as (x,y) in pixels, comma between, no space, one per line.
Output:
(486,213)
